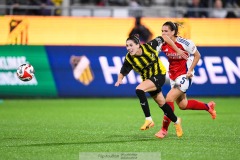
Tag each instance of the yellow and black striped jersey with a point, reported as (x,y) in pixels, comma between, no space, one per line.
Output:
(148,64)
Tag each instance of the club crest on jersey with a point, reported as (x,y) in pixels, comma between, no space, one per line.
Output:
(153,55)
(166,50)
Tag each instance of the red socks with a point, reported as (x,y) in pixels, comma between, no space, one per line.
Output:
(196,105)
(192,105)
(166,121)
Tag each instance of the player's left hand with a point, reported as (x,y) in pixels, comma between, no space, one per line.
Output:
(189,74)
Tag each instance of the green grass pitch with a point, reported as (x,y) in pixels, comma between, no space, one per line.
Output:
(55,129)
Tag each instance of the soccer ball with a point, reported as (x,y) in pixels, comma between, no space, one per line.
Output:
(25,72)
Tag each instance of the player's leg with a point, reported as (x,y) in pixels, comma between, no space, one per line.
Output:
(153,86)
(175,92)
(143,87)
(160,100)
(157,95)
(171,96)
(193,104)
(182,101)
(168,112)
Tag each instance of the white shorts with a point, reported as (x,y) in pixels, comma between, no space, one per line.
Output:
(181,82)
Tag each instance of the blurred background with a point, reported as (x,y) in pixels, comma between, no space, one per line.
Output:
(77,46)
(123,8)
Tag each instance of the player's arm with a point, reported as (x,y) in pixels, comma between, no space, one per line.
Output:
(197,57)
(171,43)
(156,43)
(119,80)
(192,49)
(126,68)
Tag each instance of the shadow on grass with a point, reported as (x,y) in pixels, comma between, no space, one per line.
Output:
(128,139)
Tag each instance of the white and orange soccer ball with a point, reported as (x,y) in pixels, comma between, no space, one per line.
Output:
(25,72)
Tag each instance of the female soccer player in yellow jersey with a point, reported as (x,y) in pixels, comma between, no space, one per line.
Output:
(143,58)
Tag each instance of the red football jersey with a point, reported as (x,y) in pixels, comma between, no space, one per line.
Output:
(178,65)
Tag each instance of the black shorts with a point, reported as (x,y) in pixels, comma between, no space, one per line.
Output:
(159,81)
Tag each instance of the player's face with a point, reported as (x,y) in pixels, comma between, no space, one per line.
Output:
(132,47)
(166,31)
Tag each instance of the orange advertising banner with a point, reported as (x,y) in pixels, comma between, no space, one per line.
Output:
(30,30)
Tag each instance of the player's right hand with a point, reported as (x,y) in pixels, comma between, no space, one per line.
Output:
(182,54)
(118,83)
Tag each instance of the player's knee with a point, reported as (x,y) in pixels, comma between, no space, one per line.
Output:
(182,107)
(160,101)
(139,92)
(168,99)
(182,104)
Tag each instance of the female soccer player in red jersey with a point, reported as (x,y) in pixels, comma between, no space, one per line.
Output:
(181,72)
(143,58)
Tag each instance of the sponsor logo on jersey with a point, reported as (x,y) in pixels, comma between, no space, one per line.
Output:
(181,40)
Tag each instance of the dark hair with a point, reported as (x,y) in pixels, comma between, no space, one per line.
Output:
(134,38)
(173,27)
(138,21)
